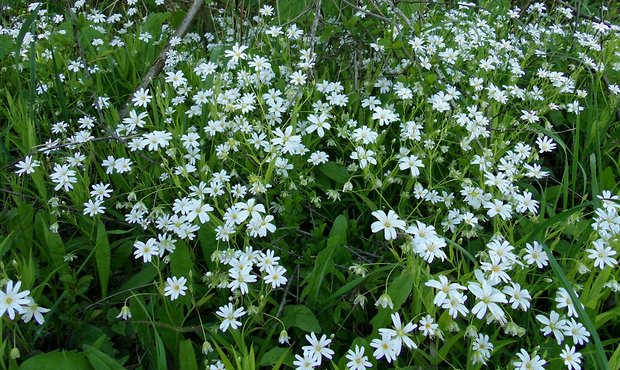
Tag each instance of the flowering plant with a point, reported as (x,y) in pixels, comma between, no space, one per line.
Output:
(386,184)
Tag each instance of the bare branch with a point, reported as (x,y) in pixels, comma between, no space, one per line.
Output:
(159,63)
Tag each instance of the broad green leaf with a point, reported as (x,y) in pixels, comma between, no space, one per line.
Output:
(5,243)
(599,359)
(160,359)
(6,46)
(227,364)
(301,317)
(614,360)
(57,360)
(187,357)
(290,9)
(102,258)
(181,261)
(146,276)
(274,356)
(23,30)
(154,22)
(324,263)
(99,360)
(336,172)
(399,290)
(338,233)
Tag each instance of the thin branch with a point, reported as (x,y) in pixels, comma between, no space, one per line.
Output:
(78,45)
(312,37)
(160,62)
(286,289)
(367,12)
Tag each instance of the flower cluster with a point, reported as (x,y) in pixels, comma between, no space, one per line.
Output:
(443,146)
(15,302)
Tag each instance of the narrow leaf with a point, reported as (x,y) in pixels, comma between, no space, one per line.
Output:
(102,258)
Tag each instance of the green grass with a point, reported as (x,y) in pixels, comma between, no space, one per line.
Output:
(110,299)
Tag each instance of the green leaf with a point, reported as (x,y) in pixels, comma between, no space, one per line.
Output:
(290,9)
(338,233)
(145,276)
(5,243)
(6,46)
(335,172)
(99,360)
(599,359)
(324,263)
(273,356)
(154,22)
(399,290)
(227,364)
(160,359)
(181,261)
(57,360)
(102,258)
(301,317)
(614,360)
(24,29)
(187,357)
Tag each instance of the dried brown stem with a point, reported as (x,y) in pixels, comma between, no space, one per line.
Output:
(159,63)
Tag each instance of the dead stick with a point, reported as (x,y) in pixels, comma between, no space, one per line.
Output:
(158,64)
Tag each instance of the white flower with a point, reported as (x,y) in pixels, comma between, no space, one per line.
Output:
(175,287)
(26,166)
(92,208)
(572,359)
(411,162)
(384,116)
(428,326)
(100,191)
(563,299)
(318,347)
(384,347)
(146,250)
(283,338)
(577,331)
(125,313)
(306,362)
(519,298)
(526,362)
(230,316)
(141,98)
(260,225)
(536,254)
(602,254)
(385,301)
(497,207)
(34,310)
(388,223)
(482,348)
(545,144)
(12,300)
(400,333)
(275,276)
(64,177)
(236,53)
(487,297)
(318,123)
(455,304)
(553,324)
(444,288)
(357,359)
(298,78)
(241,277)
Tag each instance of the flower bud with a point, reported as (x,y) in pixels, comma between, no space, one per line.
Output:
(14,354)
(283,337)
(384,301)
